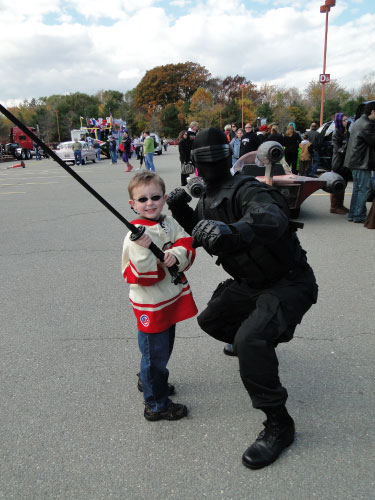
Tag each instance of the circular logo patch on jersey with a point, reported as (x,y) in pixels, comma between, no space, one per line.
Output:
(145,320)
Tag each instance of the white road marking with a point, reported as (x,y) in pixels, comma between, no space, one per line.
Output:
(26,183)
(15,192)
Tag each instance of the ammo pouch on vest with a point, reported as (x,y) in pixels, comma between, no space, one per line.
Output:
(258,266)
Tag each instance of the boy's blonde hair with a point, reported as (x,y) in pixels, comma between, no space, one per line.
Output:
(145,178)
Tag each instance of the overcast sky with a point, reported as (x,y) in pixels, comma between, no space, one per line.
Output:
(61,46)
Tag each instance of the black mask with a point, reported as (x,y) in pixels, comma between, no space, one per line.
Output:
(212,155)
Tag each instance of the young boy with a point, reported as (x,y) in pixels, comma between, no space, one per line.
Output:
(158,304)
(305,159)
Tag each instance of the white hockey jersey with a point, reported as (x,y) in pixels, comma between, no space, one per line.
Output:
(157,302)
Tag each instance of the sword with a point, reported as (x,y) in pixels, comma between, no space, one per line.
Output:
(137,232)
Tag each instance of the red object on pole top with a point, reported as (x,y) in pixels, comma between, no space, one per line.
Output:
(323,9)
(330,3)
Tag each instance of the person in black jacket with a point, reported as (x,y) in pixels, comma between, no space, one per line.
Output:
(340,139)
(245,223)
(233,133)
(275,135)
(125,148)
(360,158)
(184,148)
(291,144)
(249,141)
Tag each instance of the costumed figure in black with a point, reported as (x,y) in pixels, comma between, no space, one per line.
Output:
(245,223)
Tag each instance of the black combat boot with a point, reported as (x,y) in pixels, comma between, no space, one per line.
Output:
(277,435)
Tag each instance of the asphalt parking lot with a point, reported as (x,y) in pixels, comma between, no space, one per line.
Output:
(72,423)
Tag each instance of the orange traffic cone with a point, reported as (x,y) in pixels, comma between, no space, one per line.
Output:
(22,164)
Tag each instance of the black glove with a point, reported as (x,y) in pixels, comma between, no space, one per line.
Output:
(177,198)
(215,237)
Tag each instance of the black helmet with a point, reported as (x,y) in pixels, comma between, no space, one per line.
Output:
(212,154)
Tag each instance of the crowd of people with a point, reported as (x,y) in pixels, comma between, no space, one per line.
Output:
(301,154)
(354,162)
(142,147)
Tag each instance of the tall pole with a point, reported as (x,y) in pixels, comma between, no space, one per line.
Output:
(324,68)
(325,8)
(57,120)
(242,87)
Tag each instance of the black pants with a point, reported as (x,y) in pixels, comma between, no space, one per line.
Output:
(184,179)
(255,321)
(291,157)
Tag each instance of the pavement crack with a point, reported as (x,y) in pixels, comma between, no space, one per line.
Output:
(61,250)
(313,338)
(85,339)
(67,216)
(333,340)
(69,339)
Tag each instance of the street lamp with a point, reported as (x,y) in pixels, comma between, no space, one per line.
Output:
(242,87)
(323,79)
(57,120)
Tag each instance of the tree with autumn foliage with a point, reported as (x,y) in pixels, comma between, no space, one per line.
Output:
(170,96)
(203,110)
(168,84)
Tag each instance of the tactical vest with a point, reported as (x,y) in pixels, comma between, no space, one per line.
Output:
(261,265)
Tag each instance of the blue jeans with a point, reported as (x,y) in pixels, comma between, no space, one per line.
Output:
(77,157)
(149,161)
(361,191)
(113,156)
(98,154)
(156,349)
(315,163)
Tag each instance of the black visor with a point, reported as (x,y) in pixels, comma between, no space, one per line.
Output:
(211,154)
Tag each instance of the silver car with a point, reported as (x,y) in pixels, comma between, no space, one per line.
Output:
(159,147)
(65,151)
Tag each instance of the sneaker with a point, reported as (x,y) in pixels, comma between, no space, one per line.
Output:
(228,350)
(128,169)
(171,389)
(359,221)
(174,411)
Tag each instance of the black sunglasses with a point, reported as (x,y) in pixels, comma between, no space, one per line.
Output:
(155,197)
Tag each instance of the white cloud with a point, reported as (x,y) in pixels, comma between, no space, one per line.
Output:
(180,3)
(282,43)
(130,74)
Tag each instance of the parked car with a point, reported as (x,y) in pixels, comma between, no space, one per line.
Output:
(326,130)
(65,151)
(325,148)
(159,147)
(42,154)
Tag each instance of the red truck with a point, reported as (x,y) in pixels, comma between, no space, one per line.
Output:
(20,146)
